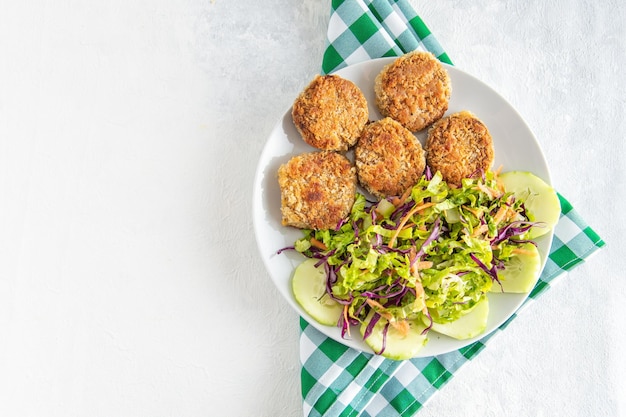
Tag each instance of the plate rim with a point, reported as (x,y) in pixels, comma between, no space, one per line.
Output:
(257,199)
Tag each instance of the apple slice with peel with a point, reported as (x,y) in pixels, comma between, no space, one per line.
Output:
(520,271)
(467,326)
(309,289)
(540,200)
(398,346)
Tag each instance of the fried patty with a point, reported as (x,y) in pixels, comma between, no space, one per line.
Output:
(317,190)
(330,113)
(414,90)
(389,158)
(459,146)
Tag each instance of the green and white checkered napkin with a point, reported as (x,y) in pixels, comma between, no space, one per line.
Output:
(340,381)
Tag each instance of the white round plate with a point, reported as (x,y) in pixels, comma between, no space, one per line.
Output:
(516,148)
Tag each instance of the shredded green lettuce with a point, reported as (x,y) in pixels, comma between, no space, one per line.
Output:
(437,267)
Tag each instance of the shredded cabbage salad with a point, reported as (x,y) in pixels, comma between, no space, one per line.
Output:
(431,254)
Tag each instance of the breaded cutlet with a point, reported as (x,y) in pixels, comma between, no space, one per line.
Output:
(389,158)
(414,90)
(317,190)
(459,146)
(330,113)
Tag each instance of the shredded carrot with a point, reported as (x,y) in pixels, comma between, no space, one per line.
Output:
(424,206)
(476,212)
(405,219)
(412,254)
(345,317)
(399,201)
(401,326)
(424,264)
(483,228)
(318,244)
(379,309)
(502,214)
(374,304)
(419,297)
(520,251)
(413,270)
(419,290)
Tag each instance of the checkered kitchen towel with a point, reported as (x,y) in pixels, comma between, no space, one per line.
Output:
(340,381)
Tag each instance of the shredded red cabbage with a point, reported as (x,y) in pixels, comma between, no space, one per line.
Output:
(490,271)
(434,235)
(385,330)
(512,229)
(370,325)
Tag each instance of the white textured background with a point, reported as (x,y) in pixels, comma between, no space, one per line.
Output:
(130,284)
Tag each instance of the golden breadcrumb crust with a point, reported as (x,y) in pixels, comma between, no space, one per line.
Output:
(330,113)
(414,90)
(459,146)
(317,190)
(389,158)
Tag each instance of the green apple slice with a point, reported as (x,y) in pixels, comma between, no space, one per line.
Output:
(467,326)
(309,289)
(540,200)
(397,345)
(520,271)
